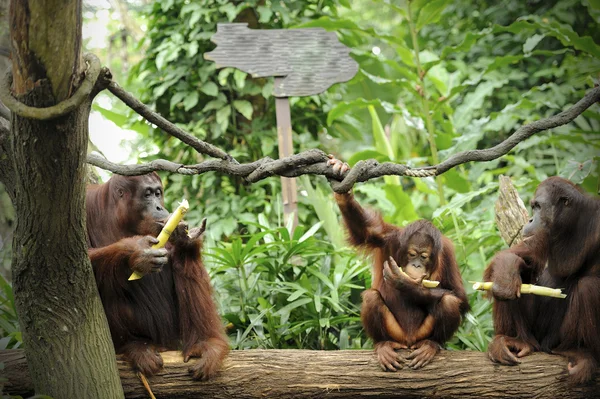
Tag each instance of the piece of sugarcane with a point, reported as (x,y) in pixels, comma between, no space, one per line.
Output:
(426,283)
(165,233)
(525,289)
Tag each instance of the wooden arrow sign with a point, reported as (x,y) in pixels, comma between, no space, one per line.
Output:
(304,62)
(311,59)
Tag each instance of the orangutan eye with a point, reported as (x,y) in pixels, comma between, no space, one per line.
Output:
(412,254)
(424,255)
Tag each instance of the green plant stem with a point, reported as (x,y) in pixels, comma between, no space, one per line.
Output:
(554,155)
(425,104)
(243,289)
(459,236)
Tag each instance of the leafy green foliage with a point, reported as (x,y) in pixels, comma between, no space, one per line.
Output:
(9,324)
(224,107)
(283,290)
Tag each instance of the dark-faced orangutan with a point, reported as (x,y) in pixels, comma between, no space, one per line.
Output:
(398,312)
(171,306)
(561,249)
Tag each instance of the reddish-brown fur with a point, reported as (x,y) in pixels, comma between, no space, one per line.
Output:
(569,243)
(411,315)
(168,310)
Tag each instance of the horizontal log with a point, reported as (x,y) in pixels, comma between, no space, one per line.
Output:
(340,374)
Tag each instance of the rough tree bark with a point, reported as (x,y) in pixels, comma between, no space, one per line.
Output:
(69,349)
(299,374)
(510,211)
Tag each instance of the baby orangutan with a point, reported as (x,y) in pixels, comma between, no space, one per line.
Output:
(398,312)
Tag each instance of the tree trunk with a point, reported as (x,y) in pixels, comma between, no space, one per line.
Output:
(307,374)
(68,345)
(510,211)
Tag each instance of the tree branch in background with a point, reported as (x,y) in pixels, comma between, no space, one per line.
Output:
(152,117)
(314,161)
(522,133)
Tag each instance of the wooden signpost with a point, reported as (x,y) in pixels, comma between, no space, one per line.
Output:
(304,62)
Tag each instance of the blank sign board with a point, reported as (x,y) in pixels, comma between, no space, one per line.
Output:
(310,60)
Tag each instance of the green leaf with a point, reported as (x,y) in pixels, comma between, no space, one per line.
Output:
(267,90)
(193,49)
(564,33)
(116,118)
(470,39)
(345,106)
(293,305)
(240,78)
(296,295)
(318,305)
(367,154)
(160,59)
(265,14)
(431,13)
(531,42)
(405,211)
(311,232)
(577,171)
(191,100)
(473,101)
(456,181)
(243,107)
(230,10)
(382,144)
(213,104)
(223,75)
(460,200)
(223,114)
(210,88)
(196,15)
(177,97)
(166,5)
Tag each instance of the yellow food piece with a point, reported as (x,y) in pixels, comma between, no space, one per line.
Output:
(165,233)
(525,289)
(426,283)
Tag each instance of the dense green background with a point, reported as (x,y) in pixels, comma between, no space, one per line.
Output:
(436,77)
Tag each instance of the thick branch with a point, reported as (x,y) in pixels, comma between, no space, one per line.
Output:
(60,109)
(311,162)
(522,133)
(152,117)
(340,374)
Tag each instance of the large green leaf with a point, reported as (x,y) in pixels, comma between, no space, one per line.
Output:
(210,88)
(431,12)
(565,33)
(345,106)
(578,171)
(405,211)
(243,107)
